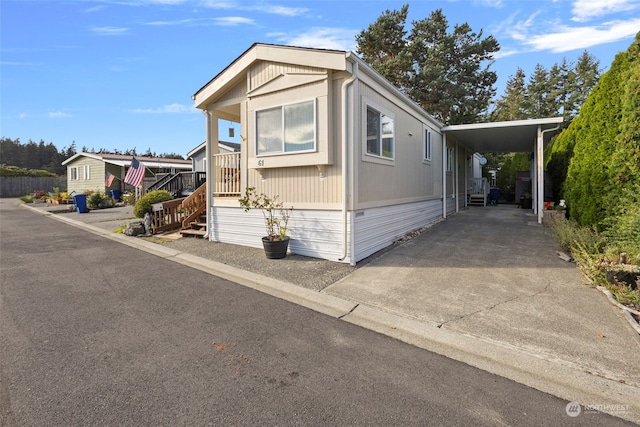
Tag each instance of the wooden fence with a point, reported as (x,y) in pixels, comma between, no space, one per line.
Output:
(16,186)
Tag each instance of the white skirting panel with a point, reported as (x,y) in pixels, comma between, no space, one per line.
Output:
(377,228)
(313,233)
(318,234)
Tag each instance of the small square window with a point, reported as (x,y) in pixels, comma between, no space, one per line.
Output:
(380,134)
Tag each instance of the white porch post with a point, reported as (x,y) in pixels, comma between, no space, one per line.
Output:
(539,159)
(444,175)
(456,178)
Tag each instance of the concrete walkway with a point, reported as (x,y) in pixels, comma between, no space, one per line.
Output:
(485,287)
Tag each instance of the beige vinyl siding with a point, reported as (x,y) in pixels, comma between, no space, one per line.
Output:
(96,178)
(311,180)
(407,178)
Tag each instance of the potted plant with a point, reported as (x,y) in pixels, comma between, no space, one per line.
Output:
(276,218)
(553,213)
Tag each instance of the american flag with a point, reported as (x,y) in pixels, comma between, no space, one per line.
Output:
(110,178)
(135,174)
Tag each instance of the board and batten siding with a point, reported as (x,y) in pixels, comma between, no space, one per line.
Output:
(94,182)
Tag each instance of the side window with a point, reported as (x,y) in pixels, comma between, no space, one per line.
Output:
(73,173)
(427,144)
(87,172)
(286,129)
(380,134)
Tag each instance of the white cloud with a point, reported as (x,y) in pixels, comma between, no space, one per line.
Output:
(264,8)
(230,21)
(586,10)
(323,38)
(168,109)
(282,10)
(58,115)
(169,23)
(566,38)
(110,31)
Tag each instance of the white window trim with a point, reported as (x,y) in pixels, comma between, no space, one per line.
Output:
(427,144)
(289,153)
(369,104)
(74,173)
(450,154)
(86,169)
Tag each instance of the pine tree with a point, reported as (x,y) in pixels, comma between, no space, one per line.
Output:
(511,105)
(447,74)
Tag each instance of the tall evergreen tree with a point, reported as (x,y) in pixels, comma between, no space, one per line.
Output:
(383,46)
(511,105)
(448,74)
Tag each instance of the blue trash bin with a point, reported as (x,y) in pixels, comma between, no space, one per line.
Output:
(80,200)
(494,195)
(115,194)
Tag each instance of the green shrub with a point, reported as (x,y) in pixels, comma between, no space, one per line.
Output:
(94,199)
(146,202)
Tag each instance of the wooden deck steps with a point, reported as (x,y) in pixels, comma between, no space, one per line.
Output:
(196,228)
(477,200)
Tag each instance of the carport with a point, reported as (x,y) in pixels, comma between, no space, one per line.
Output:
(506,137)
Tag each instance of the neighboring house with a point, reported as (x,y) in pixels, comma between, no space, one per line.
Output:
(88,171)
(198,155)
(360,162)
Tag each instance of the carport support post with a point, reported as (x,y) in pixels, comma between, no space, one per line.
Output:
(539,165)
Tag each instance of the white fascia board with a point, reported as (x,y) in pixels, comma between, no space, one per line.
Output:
(512,123)
(325,59)
(83,154)
(197,149)
(202,97)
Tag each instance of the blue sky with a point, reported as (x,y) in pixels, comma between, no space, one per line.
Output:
(119,74)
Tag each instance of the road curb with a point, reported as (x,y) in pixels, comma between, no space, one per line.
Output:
(557,377)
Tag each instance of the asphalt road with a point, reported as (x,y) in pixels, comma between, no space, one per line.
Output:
(93,332)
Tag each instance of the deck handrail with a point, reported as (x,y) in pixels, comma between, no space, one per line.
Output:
(226,174)
(194,205)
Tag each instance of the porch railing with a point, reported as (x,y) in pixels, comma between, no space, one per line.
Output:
(226,174)
(179,213)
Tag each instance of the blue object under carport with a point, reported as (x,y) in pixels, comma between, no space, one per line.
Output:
(80,200)
(115,194)
(494,195)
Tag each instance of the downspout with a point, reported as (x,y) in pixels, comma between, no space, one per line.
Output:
(345,169)
(540,170)
(208,172)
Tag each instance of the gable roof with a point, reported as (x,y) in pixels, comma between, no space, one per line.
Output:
(335,60)
(230,146)
(122,160)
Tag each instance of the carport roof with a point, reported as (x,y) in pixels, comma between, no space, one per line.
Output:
(501,137)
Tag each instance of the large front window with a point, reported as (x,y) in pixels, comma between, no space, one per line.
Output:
(379,134)
(286,129)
